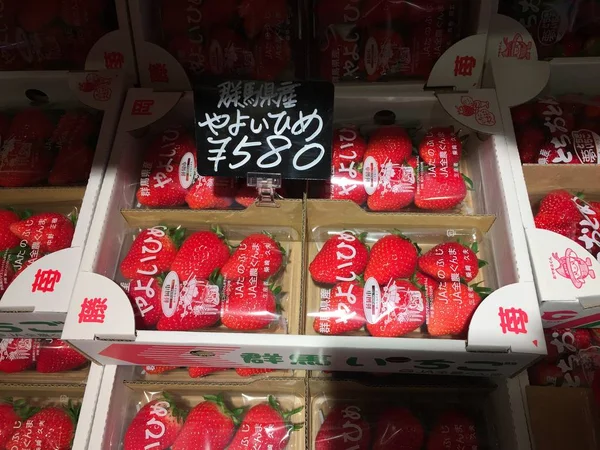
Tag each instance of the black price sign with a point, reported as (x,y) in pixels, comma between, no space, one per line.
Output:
(266,127)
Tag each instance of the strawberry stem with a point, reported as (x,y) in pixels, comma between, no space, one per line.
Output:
(468,182)
(286,415)
(179,413)
(482,291)
(177,235)
(219,400)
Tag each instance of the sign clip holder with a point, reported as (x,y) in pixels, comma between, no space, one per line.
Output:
(266,184)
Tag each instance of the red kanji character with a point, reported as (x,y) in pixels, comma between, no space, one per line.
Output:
(113,60)
(142,108)
(464,65)
(158,73)
(93,310)
(513,320)
(45,280)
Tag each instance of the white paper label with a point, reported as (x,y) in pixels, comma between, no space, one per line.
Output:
(372,300)
(187,170)
(170,294)
(371,56)
(370,175)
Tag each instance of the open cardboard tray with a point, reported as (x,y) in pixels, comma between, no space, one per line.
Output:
(24,313)
(488,351)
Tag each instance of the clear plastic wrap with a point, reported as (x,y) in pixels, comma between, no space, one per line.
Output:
(392,283)
(210,374)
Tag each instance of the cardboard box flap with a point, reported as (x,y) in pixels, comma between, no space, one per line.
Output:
(509,39)
(172,73)
(48,283)
(72,195)
(477,109)
(102,310)
(461,66)
(544,178)
(95,89)
(105,48)
(144,106)
(506,320)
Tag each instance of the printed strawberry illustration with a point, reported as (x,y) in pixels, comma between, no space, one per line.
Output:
(157,370)
(7,238)
(342,258)
(382,53)
(73,165)
(389,143)
(249,304)
(439,189)
(347,185)
(402,310)
(31,125)
(197,372)
(451,261)
(452,307)
(201,253)
(49,231)
(398,428)
(209,424)
(392,256)
(395,187)
(453,430)
(55,355)
(144,293)
(250,372)
(258,14)
(258,255)
(12,415)
(266,424)
(24,163)
(157,423)
(152,252)
(343,311)
(211,193)
(344,424)
(440,146)
(272,55)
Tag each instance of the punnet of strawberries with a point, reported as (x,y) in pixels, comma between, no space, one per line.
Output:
(201,372)
(47,147)
(558,130)
(228,420)
(180,280)
(41,355)
(26,236)
(390,170)
(386,284)
(570,215)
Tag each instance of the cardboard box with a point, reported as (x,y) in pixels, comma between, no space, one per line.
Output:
(41,314)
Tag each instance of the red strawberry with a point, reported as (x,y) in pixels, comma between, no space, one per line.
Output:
(331,12)
(52,231)
(451,310)
(229,54)
(7,238)
(73,164)
(522,114)
(209,425)
(382,53)
(265,426)
(556,224)
(272,55)
(258,252)
(532,135)
(34,16)
(201,253)
(191,54)
(53,427)
(391,257)
(249,304)
(426,284)
(78,13)
(342,258)
(339,55)
(398,429)
(529,153)
(439,189)
(31,125)
(395,188)
(7,274)
(189,17)
(145,296)
(211,193)
(74,127)
(389,143)
(570,45)
(343,425)
(17,355)
(347,185)
(197,307)
(158,423)
(453,431)
(157,370)
(546,373)
(348,146)
(24,163)
(250,372)
(57,356)
(152,252)
(382,11)
(560,205)
(440,147)
(402,310)
(197,372)
(343,311)
(566,340)
(258,14)
(550,154)
(12,414)
(172,144)
(451,261)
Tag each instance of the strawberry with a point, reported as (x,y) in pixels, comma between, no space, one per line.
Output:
(331,12)
(211,193)
(570,45)
(272,56)
(7,274)
(426,284)
(439,189)
(532,135)
(52,231)
(249,304)
(566,340)
(398,429)
(546,373)
(452,307)
(560,205)
(348,146)
(402,310)
(17,355)
(12,415)
(34,16)
(191,54)
(453,430)
(30,125)
(529,153)
(156,424)
(54,427)
(57,356)
(258,252)
(197,372)
(229,54)
(188,16)
(197,307)
(74,127)
(339,55)
(347,185)
(145,296)
(250,372)
(343,257)
(395,188)
(7,238)
(391,257)
(157,370)
(550,154)
(73,165)
(78,13)
(24,163)
(522,114)
(382,11)
(258,14)
(556,224)
(344,424)
(451,261)
(382,53)
(152,252)
(265,426)
(209,425)
(440,147)
(201,253)
(389,143)
(343,311)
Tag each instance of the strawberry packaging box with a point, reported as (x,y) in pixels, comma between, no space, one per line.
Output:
(179,42)
(210,374)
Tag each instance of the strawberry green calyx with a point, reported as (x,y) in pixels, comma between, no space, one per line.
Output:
(286,415)
(360,280)
(468,182)
(21,407)
(73,410)
(177,235)
(482,291)
(234,414)
(73,217)
(415,282)
(281,249)
(22,214)
(179,413)
(218,231)
(475,249)
(216,278)
(362,237)
(399,233)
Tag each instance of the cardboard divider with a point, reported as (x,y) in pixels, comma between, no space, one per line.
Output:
(43,394)
(42,196)
(78,376)
(225,376)
(541,179)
